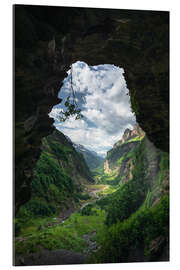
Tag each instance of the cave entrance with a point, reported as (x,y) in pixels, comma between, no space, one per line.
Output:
(101,93)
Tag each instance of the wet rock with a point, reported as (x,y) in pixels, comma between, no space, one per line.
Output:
(29,123)
(92,246)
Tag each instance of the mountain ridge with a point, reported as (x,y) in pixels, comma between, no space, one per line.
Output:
(60,178)
(92,159)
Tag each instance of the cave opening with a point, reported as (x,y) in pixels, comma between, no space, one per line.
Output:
(61,203)
(103,109)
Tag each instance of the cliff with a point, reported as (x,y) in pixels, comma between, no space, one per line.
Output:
(138,209)
(119,158)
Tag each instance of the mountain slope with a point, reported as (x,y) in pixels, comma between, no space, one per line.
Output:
(138,211)
(59,178)
(118,164)
(92,159)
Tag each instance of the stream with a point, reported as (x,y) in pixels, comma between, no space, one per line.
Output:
(61,256)
(93,194)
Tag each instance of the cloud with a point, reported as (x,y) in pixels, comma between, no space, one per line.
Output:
(102,95)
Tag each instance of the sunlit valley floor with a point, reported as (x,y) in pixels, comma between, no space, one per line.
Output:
(115,212)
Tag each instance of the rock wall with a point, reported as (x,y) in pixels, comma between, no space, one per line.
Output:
(117,159)
(49,39)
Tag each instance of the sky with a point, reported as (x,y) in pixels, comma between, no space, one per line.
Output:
(102,95)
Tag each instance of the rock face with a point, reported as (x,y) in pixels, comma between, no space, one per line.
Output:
(121,161)
(55,257)
(119,158)
(130,134)
(140,173)
(49,39)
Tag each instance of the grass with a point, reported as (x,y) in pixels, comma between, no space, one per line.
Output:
(95,187)
(106,178)
(67,235)
(109,190)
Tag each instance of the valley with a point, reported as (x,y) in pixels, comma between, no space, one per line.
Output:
(117,212)
(91,73)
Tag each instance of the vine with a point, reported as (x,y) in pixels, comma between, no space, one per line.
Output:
(70,104)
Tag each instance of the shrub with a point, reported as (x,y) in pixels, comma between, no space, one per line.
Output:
(136,232)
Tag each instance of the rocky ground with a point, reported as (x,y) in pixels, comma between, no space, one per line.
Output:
(54,257)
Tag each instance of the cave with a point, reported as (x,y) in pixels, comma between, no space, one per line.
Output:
(49,39)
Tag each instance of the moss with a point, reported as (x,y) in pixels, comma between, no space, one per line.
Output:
(164,167)
(134,105)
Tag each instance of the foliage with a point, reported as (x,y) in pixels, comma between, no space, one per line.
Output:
(108,178)
(87,210)
(124,219)
(138,231)
(99,170)
(92,159)
(53,187)
(82,196)
(71,110)
(67,235)
(164,166)
(71,105)
(128,198)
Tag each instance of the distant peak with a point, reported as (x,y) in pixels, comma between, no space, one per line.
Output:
(130,134)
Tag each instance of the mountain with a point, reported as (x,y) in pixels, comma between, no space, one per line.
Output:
(92,159)
(121,162)
(59,179)
(119,158)
(130,212)
(138,209)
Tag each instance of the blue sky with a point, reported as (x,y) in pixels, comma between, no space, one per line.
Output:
(102,95)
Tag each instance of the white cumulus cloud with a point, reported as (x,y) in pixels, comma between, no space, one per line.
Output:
(102,95)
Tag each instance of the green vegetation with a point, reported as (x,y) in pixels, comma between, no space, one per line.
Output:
(129,217)
(67,235)
(54,187)
(127,199)
(92,159)
(137,233)
(134,104)
(108,178)
(137,213)
(50,188)
(164,166)
(108,190)
(98,170)
(135,139)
